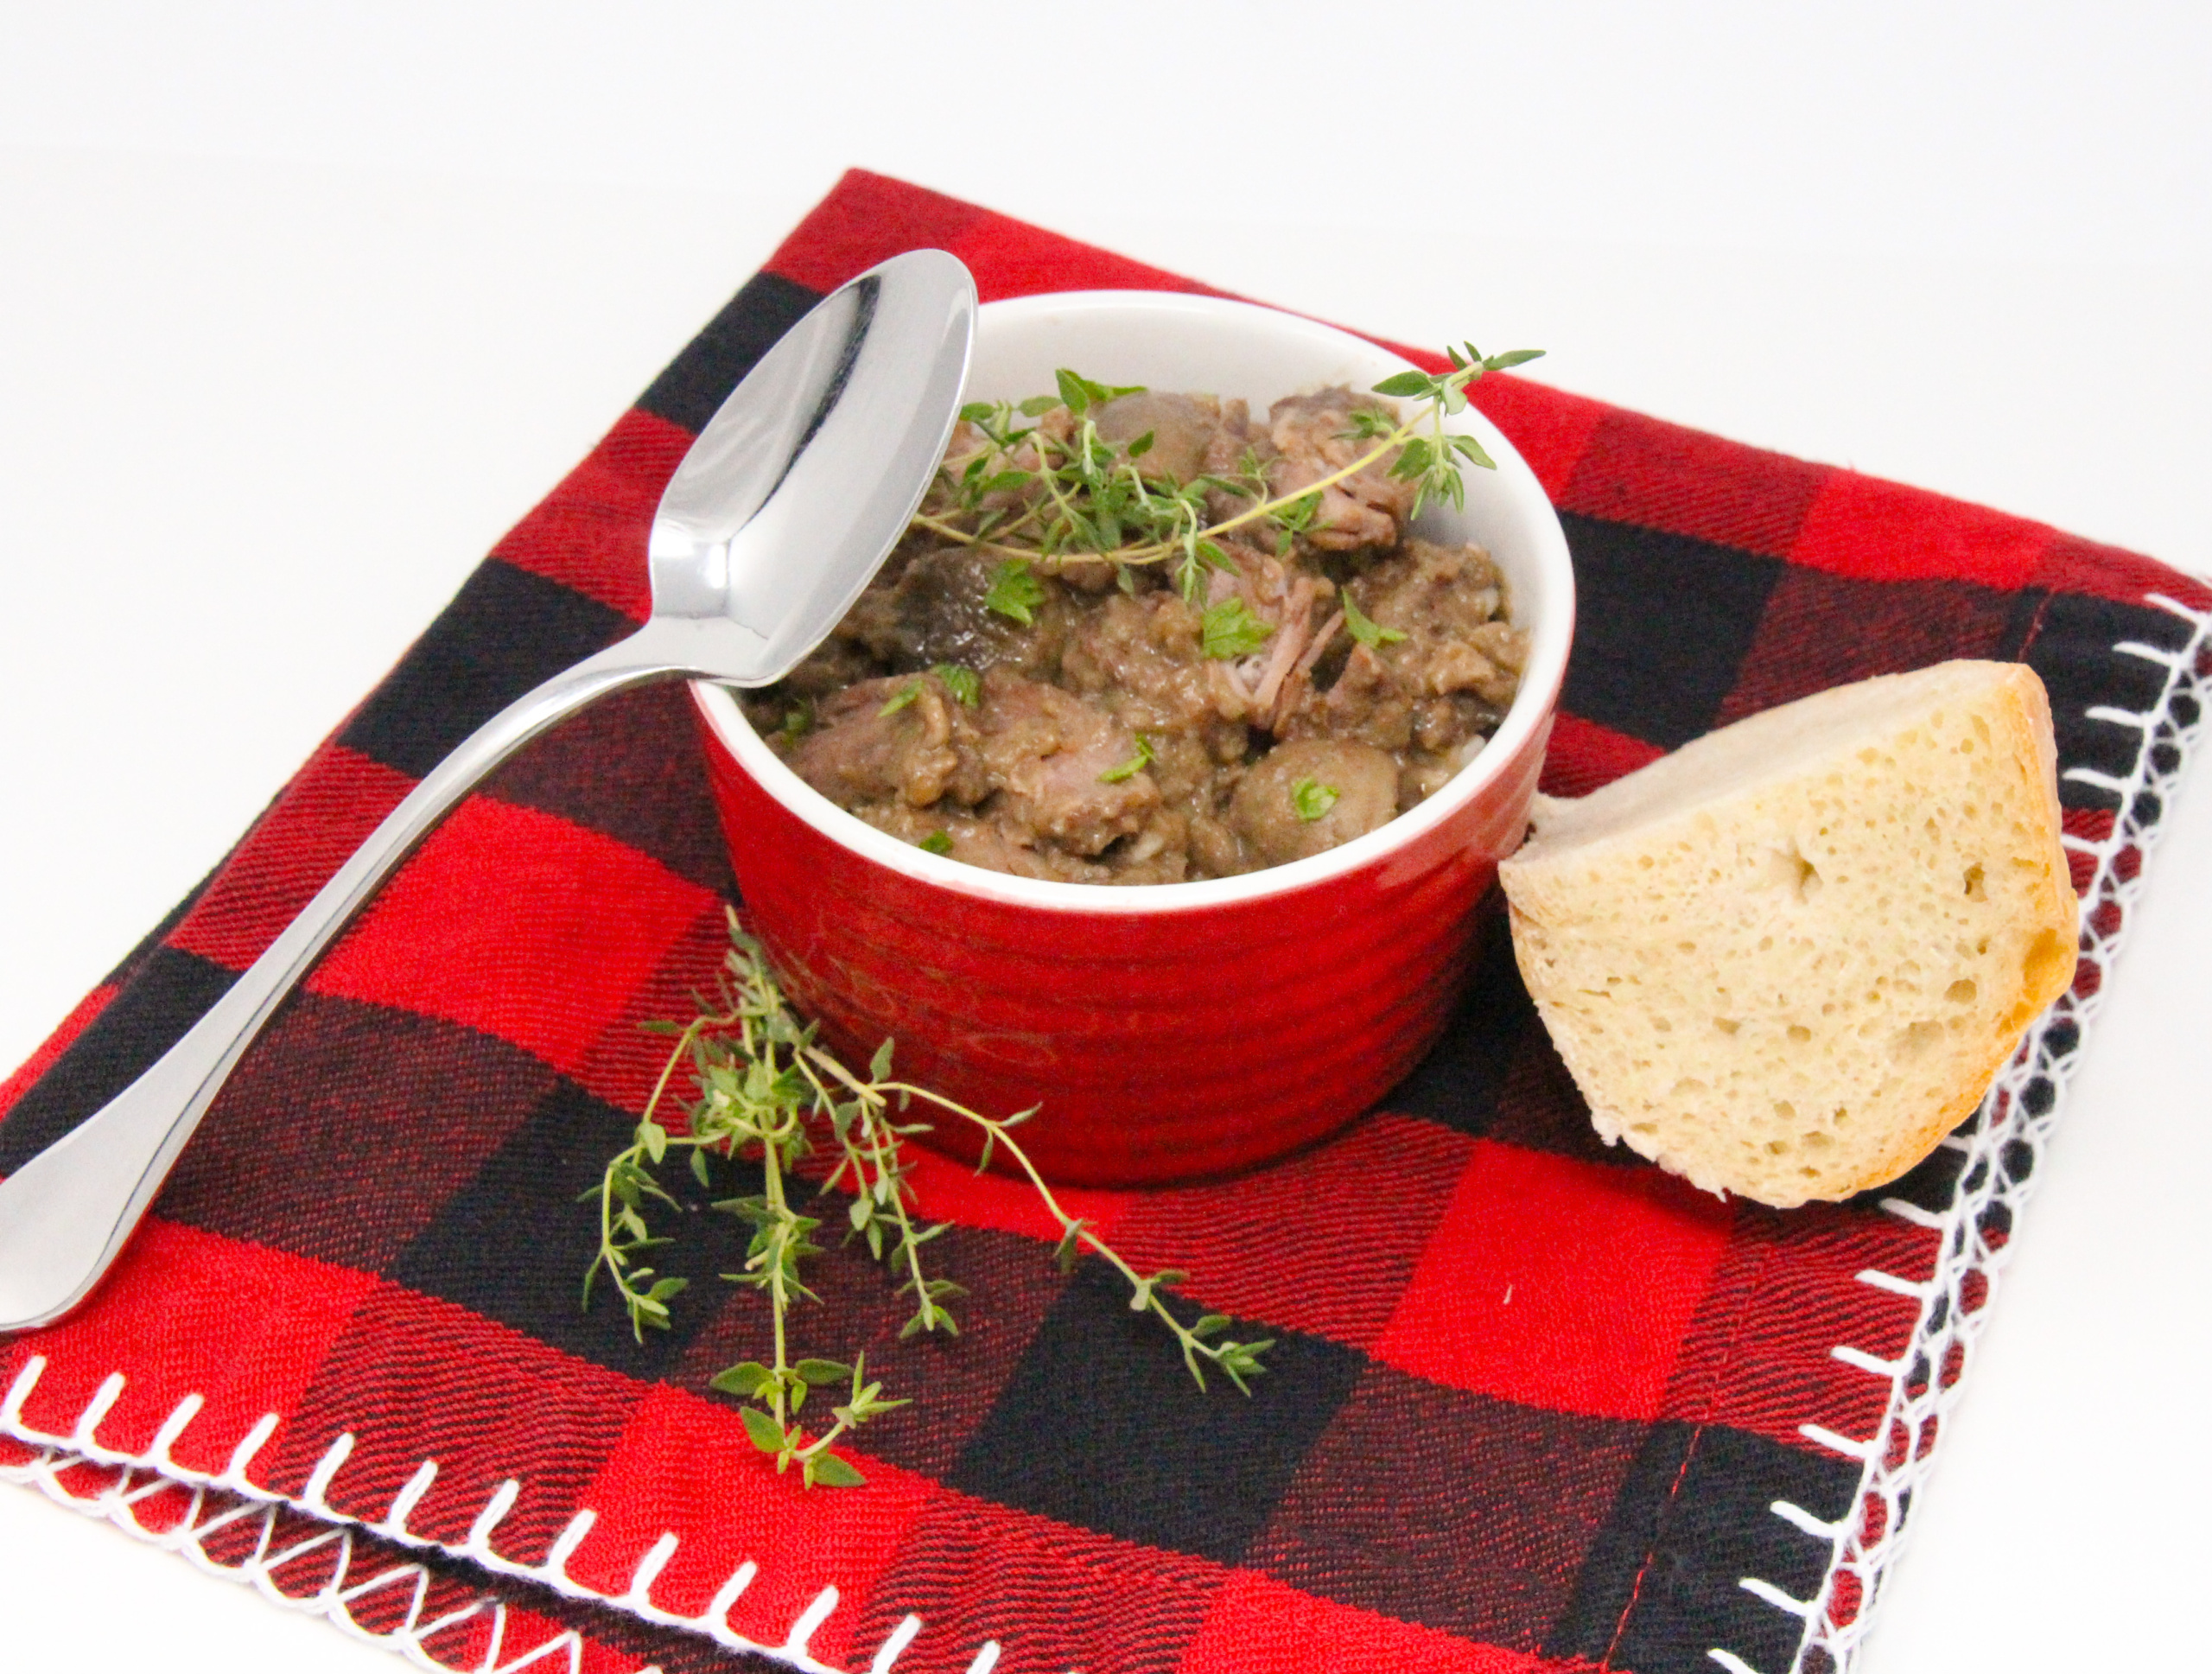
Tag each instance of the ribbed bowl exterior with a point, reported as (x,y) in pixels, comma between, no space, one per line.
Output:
(1161,1046)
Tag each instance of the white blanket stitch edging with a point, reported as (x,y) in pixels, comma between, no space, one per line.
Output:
(57,1453)
(208,1514)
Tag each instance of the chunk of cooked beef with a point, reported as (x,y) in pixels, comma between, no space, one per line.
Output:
(1365,703)
(1181,427)
(1265,812)
(1445,600)
(1313,436)
(1444,682)
(923,749)
(1048,755)
(1142,659)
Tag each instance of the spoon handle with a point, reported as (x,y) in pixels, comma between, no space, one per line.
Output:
(66,1214)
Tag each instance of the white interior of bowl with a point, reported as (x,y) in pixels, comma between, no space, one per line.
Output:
(1204,344)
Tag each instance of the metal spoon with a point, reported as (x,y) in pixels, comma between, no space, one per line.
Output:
(784,506)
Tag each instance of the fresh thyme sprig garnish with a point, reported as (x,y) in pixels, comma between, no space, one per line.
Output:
(758,1082)
(1055,491)
(768,1091)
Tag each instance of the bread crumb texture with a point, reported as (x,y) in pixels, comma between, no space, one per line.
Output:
(1787,960)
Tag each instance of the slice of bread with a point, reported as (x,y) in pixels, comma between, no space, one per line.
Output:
(1787,960)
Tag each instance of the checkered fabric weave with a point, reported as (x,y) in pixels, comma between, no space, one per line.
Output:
(1533,1405)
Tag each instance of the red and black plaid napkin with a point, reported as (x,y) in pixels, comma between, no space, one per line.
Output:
(1533,1405)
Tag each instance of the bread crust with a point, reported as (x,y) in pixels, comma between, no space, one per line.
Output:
(1847,1063)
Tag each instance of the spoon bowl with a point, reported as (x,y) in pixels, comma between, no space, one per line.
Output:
(788,502)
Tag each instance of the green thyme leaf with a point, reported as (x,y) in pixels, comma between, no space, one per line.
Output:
(744,1379)
(936,842)
(965,685)
(1369,632)
(767,1434)
(1079,394)
(878,1067)
(1137,764)
(1408,383)
(1229,629)
(1470,450)
(1015,592)
(822,1372)
(1414,459)
(1312,798)
(798,719)
(831,1472)
(1242,1360)
(899,700)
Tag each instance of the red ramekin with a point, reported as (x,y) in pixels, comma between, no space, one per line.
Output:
(1168,1031)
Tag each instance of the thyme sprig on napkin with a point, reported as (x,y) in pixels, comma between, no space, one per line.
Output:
(1034,496)
(767,1090)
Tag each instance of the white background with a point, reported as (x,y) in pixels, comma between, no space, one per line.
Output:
(302,307)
